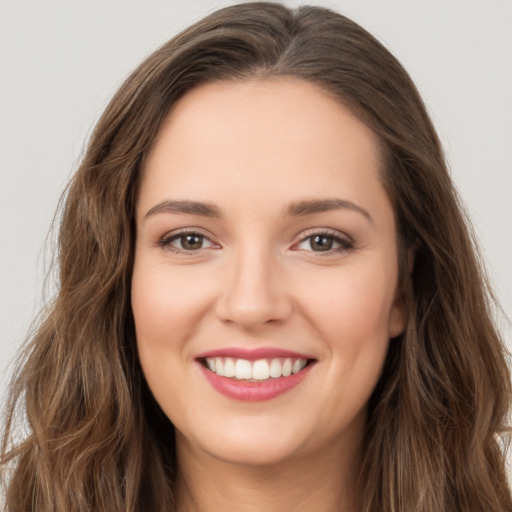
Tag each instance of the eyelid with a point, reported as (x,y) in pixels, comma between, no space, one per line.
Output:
(164,241)
(345,241)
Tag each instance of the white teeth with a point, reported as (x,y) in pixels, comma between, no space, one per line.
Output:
(229,367)
(260,370)
(243,369)
(276,368)
(287,367)
(219,366)
(298,365)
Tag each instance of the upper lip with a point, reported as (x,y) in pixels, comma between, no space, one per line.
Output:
(253,354)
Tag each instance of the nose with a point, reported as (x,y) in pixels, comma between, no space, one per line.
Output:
(254,293)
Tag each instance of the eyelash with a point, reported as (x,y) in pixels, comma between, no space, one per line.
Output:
(165,242)
(345,244)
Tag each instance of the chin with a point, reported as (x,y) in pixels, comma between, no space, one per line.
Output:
(250,441)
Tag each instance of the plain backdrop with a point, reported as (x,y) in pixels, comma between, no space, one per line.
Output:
(61,61)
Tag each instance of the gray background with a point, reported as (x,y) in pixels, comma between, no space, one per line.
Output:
(60,62)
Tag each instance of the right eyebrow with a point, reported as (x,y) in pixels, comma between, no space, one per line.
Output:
(187,207)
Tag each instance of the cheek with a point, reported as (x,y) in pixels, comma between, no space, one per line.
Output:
(356,305)
(353,318)
(167,307)
(353,321)
(163,315)
(167,304)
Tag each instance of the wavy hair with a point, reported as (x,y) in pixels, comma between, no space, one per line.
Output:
(437,421)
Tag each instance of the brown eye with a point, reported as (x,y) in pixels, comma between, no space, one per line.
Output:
(191,242)
(185,242)
(325,243)
(321,243)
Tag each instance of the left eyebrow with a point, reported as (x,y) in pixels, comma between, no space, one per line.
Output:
(309,207)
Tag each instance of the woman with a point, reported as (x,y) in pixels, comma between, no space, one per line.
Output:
(269,297)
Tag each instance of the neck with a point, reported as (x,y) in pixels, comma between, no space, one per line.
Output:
(322,481)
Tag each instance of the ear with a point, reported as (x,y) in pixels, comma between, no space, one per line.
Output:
(398,313)
(396,324)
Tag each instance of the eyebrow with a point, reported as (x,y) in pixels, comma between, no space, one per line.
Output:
(295,209)
(190,207)
(309,207)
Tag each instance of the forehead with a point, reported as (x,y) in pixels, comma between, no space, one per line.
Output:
(261,138)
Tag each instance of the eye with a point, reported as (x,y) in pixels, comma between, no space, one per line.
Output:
(325,242)
(185,241)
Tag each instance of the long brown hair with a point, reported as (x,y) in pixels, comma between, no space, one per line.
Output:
(96,439)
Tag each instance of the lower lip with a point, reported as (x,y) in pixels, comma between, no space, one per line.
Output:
(254,391)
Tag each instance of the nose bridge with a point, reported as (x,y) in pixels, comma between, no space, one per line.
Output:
(254,292)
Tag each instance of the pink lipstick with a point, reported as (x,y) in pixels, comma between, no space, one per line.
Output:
(254,375)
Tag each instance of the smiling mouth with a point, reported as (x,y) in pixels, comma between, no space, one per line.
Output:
(260,370)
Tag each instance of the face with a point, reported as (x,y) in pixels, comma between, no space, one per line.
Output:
(264,288)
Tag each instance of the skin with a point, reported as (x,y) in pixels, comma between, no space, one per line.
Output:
(251,148)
